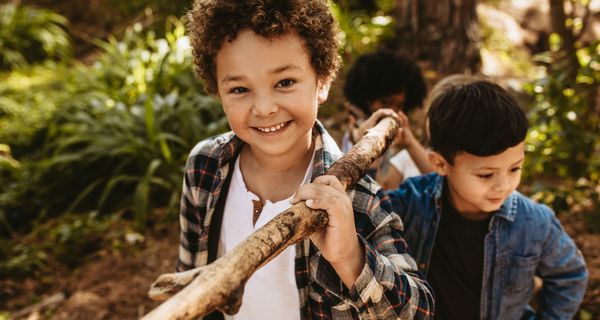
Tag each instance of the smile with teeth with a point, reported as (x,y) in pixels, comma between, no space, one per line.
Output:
(272,128)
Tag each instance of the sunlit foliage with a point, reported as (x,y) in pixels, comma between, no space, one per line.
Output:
(119,139)
(361,29)
(30,35)
(564,140)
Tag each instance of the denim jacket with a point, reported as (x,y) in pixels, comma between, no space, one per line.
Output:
(524,239)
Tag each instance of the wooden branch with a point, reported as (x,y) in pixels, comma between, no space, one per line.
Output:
(220,285)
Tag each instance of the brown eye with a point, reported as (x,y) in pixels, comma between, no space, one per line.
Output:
(285,83)
(238,90)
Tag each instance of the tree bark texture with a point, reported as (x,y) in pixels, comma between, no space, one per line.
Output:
(558,17)
(220,285)
(445,33)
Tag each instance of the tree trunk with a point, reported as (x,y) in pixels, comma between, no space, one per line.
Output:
(567,39)
(445,33)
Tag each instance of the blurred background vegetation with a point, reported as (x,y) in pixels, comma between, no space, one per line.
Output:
(99,108)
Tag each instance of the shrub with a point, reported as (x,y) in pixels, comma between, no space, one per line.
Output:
(361,27)
(120,139)
(28,99)
(563,144)
(30,35)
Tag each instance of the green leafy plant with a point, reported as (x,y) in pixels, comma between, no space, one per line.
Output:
(30,35)
(65,241)
(75,237)
(360,29)
(20,260)
(28,99)
(563,143)
(120,139)
(132,134)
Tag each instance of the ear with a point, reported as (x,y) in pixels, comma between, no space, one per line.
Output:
(323,90)
(440,165)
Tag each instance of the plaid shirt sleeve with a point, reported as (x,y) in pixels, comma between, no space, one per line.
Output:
(188,222)
(390,285)
(201,172)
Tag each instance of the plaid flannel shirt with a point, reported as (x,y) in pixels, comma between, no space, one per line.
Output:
(388,287)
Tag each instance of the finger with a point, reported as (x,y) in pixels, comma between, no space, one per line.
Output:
(403,119)
(399,133)
(313,203)
(382,113)
(331,181)
(313,191)
(322,203)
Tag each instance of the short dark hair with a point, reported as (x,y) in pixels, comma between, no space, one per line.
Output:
(380,74)
(212,22)
(480,118)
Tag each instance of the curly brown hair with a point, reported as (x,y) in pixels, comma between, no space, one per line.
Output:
(212,22)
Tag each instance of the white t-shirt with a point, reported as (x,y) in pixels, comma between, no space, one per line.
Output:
(405,164)
(271,292)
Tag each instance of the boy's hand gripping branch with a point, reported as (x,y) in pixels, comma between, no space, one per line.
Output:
(220,285)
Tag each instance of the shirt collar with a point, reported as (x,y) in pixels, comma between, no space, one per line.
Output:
(508,210)
(232,145)
(326,150)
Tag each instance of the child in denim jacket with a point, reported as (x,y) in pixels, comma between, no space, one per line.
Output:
(480,242)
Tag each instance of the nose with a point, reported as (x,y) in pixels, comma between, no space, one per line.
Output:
(502,183)
(263,105)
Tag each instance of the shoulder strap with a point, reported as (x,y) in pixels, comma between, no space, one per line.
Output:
(214,231)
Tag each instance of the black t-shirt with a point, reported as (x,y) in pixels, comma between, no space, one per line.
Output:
(456,265)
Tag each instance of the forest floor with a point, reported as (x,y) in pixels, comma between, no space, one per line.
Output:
(113,284)
(110,284)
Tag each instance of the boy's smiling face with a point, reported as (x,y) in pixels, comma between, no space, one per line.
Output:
(479,185)
(269,91)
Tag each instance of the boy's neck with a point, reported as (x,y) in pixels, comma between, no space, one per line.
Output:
(274,178)
(473,215)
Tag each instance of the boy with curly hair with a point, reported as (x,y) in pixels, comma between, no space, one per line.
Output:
(271,63)
(480,242)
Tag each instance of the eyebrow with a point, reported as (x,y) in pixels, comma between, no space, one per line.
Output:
(492,168)
(277,70)
(286,67)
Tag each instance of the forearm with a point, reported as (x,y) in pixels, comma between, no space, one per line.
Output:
(349,271)
(390,286)
(420,156)
(560,298)
(386,288)
(564,274)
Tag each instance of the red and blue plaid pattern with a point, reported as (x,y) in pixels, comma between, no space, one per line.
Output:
(389,286)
